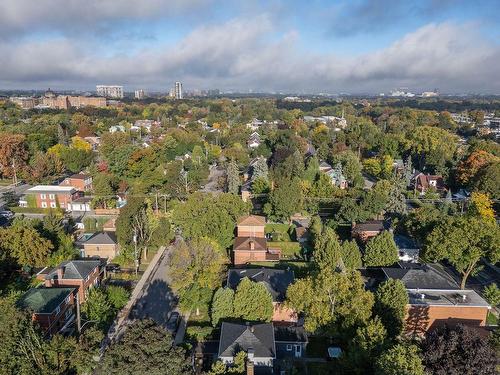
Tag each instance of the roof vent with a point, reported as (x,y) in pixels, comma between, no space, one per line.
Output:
(422,296)
(464,297)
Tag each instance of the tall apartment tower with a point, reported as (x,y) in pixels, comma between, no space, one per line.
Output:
(139,94)
(178,90)
(115,92)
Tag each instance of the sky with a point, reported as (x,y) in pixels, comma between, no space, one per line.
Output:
(313,46)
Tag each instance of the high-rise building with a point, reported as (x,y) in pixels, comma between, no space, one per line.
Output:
(115,92)
(139,94)
(178,90)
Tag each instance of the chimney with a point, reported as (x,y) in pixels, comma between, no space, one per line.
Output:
(252,245)
(422,296)
(60,272)
(250,367)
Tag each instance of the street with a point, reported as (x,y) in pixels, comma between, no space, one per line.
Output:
(17,189)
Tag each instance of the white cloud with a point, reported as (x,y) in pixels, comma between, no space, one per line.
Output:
(240,54)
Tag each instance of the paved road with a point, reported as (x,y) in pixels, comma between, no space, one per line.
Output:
(213,180)
(18,190)
(157,299)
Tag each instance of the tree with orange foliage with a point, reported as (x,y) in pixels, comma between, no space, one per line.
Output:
(13,154)
(469,167)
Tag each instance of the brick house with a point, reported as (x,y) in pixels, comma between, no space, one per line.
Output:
(435,299)
(80,274)
(423,182)
(80,181)
(102,245)
(250,245)
(276,282)
(364,231)
(51,196)
(52,308)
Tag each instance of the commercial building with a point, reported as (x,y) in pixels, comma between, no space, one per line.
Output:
(114,92)
(178,90)
(139,94)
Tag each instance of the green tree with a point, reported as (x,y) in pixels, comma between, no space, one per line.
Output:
(145,348)
(351,255)
(97,307)
(400,360)
(331,301)
(252,301)
(87,347)
(492,294)
(14,239)
(280,206)
(260,169)
(381,250)
(117,296)
(222,305)
(327,251)
(233,178)
(391,300)
(195,298)
(260,186)
(487,180)
(463,241)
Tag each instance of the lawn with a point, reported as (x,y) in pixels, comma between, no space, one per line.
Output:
(279,232)
(289,249)
(491,319)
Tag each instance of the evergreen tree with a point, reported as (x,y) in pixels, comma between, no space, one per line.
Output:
(252,301)
(260,169)
(351,255)
(222,305)
(381,250)
(327,253)
(233,178)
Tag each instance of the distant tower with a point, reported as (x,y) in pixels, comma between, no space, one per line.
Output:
(178,90)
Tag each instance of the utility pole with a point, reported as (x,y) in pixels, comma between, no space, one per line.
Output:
(135,252)
(14,170)
(78,318)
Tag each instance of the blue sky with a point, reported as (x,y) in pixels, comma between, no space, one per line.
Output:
(356,46)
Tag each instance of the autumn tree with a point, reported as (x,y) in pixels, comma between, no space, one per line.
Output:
(463,241)
(13,154)
(331,301)
(481,207)
(381,250)
(468,168)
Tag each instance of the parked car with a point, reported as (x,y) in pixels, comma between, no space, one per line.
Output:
(7,214)
(173,322)
(113,267)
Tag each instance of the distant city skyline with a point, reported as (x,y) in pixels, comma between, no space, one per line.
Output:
(357,46)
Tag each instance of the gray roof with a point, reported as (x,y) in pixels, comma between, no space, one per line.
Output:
(455,298)
(236,337)
(290,334)
(275,280)
(419,276)
(44,300)
(75,269)
(102,238)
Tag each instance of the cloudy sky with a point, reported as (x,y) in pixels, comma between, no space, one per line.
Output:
(310,46)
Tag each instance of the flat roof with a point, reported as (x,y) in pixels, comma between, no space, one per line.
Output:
(51,188)
(458,298)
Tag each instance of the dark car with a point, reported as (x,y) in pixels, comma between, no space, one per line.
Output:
(173,322)
(113,267)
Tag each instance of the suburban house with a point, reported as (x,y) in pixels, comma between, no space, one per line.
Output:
(79,274)
(102,245)
(248,177)
(94,142)
(50,196)
(408,250)
(250,245)
(80,181)
(368,229)
(422,182)
(52,308)
(82,204)
(436,299)
(254,140)
(276,282)
(264,344)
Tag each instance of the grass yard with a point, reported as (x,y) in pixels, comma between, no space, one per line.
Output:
(289,249)
(279,232)
(491,319)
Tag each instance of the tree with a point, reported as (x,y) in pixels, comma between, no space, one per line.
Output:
(222,305)
(145,348)
(381,250)
(237,368)
(252,301)
(260,169)
(205,215)
(76,159)
(463,241)
(400,360)
(233,178)
(492,294)
(199,261)
(468,168)
(466,352)
(487,180)
(87,348)
(195,298)
(481,207)
(391,300)
(97,307)
(397,200)
(331,300)
(260,185)
(327,252)
(351,255)
(13,154)
(285,200)
(433,146)
(14,239)
(117,296)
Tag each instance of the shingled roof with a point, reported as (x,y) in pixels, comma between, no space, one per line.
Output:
(236,337)
(102,238)
(252,220)
(421,277)
(44,300)
(75,269)
(276,281)
(243,243)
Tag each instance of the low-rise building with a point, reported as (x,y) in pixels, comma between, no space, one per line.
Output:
(80,181)
(364,231)
(276,282)
(79,274)
(423,182)
(51,308)
(254,140)
(50,196)
(102,245)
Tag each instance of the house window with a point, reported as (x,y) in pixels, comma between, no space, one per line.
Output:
(43,196)
(52,196)
(44,204)
(68,298)
(52,204)
(57,310)
(288,347)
